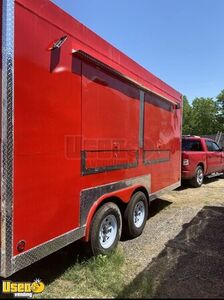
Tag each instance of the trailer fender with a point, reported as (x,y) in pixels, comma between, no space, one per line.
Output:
(120,197)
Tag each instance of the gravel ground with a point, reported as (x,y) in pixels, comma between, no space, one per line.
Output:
(168,215)
(179,254)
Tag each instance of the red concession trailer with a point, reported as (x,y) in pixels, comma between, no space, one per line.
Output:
(88,137)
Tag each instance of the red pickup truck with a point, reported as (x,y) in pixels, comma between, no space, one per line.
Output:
(200,157)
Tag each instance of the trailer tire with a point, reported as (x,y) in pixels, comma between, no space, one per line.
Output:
(135,215)
(198,178)
(105,230)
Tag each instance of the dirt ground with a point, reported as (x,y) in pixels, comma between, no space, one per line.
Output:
(191,216)
(179,254)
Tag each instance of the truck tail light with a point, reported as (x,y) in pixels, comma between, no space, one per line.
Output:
(186,162)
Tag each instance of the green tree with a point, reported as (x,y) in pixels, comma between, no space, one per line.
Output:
(220,110)
(204,116)
(187,116)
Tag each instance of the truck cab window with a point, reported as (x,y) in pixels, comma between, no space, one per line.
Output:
(212,146)
(191,145)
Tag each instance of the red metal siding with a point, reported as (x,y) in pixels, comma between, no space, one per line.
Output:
(110,108)
(87,40)
(47,109)
(64,106)
(161,141)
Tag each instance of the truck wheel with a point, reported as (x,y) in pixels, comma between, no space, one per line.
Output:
(198,179)
(105,229)
(135,215)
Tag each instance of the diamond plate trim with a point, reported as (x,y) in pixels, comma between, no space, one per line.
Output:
(7,144)
(164,190)
(90,195)
(29,257)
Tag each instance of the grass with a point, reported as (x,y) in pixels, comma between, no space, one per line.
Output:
(97,277)
(140,288)
(71,273)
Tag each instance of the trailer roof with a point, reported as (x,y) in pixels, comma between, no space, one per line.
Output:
(84,39)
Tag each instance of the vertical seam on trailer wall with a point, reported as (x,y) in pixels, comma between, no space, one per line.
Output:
(7,146)
(141,119)
(81,133)
(81,116)
(181,132)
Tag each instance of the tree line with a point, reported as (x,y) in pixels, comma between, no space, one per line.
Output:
(204,116)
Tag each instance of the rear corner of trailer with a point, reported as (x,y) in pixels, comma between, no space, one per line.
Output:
(0,102)
(36,117)
(6,127)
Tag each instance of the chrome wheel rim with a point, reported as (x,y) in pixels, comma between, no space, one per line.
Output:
(108,231)
(200,176)
(139,214)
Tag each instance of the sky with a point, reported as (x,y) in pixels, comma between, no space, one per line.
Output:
(180,41)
